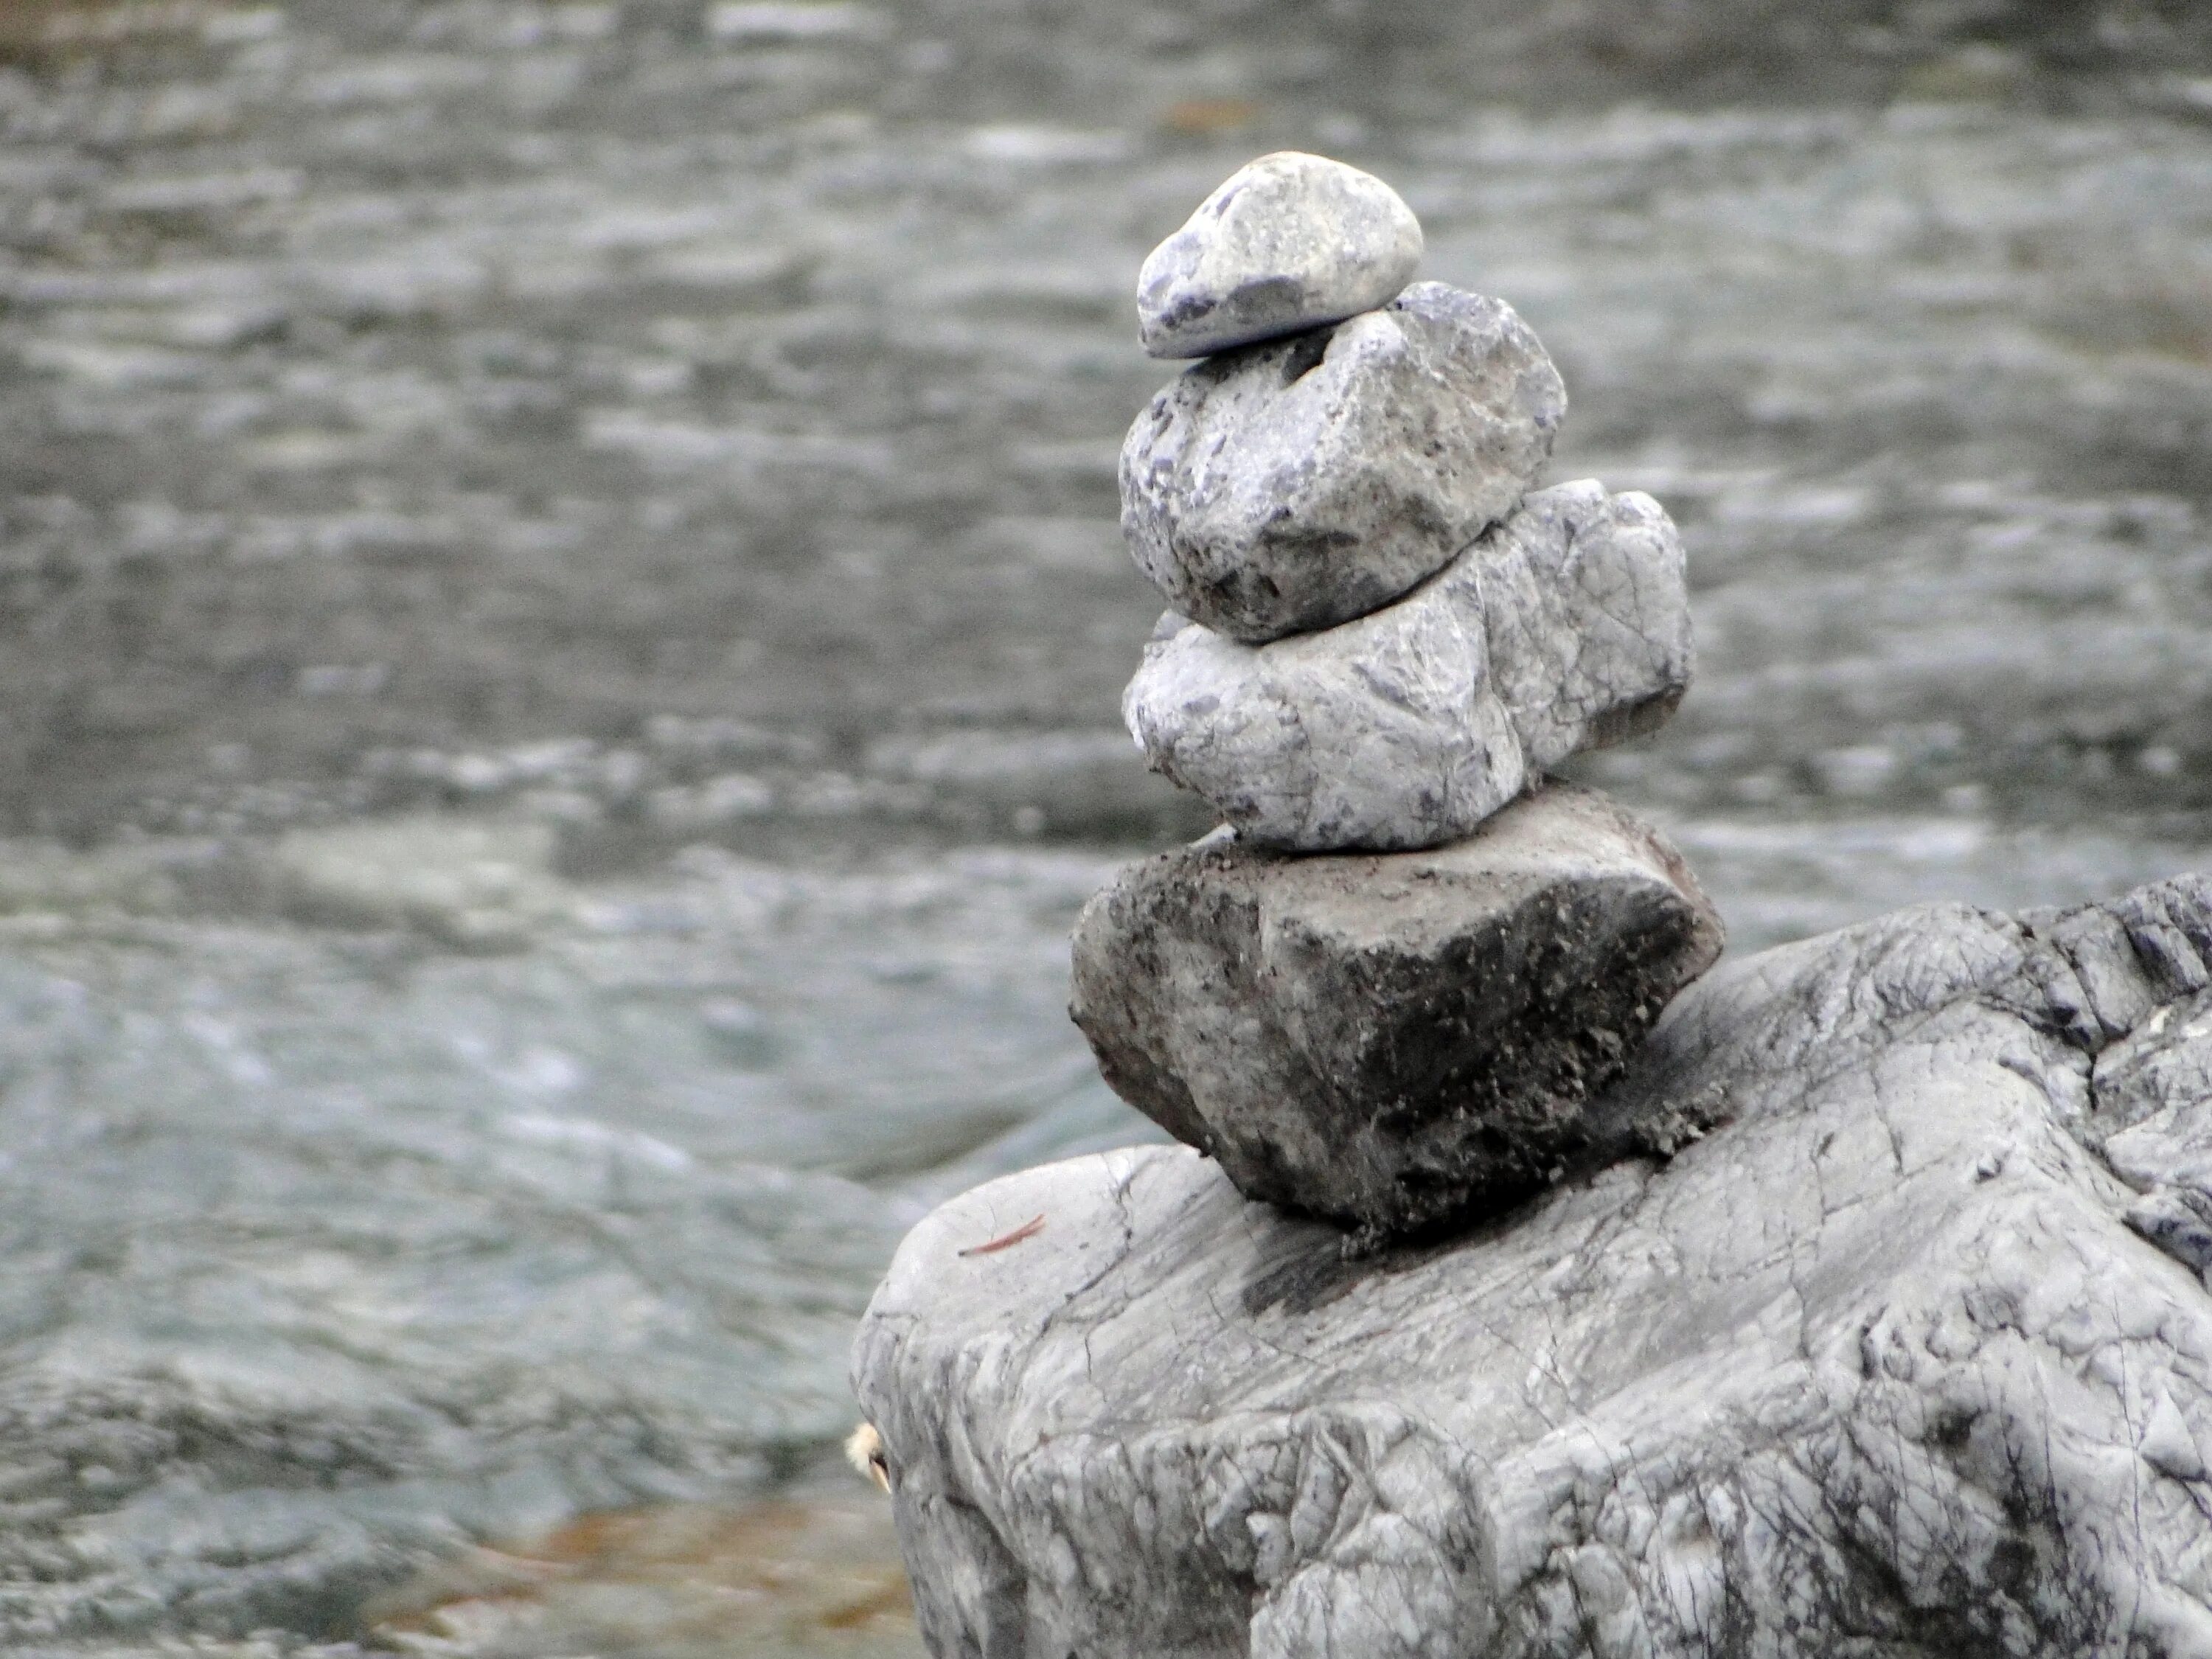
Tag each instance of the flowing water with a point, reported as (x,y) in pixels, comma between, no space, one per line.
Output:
(562,619)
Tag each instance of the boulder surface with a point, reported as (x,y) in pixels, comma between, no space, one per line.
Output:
(1879,1366)
(1566,628)
(1391,1041)
(1297,484)
(1287,242)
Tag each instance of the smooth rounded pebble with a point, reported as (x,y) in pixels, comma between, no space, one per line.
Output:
(1295,485)
(1288,242)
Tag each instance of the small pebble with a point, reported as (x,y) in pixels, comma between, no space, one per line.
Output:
(1288,243)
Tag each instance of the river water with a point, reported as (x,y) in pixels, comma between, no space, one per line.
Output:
(563,620)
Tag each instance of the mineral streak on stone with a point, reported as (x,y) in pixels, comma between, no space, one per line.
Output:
(1876,1366)
(1566,628)
(1288,242)
(1399,1041)
(1297,484)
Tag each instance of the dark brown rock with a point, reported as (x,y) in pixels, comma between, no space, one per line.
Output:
(1396,1041)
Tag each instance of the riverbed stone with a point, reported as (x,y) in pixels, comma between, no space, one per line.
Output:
(1286,243)
(1877,1365)
(1566,628)
(1300,483)
(1396,1041)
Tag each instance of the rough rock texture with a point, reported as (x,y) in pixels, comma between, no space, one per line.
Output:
(1878,1367)
(1566,628)
(1391,1041)
(1290,486)
(1286,243)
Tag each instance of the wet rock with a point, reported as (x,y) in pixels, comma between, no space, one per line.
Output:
(1391,1042)
(1287,243)
(1876,1365)
(474,885)
(813,1570)
(1567,628)
(1298,485)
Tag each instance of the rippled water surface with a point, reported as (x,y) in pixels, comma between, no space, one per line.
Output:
(562,616)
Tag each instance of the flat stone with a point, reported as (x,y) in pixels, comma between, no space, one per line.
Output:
(1391,1041)
(1877,1366)
(1288,242)
(1566,628)
(1297,484)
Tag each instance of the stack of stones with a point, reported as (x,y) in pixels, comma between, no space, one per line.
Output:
(1387,991)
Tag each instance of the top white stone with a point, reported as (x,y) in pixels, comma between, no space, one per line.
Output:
(1290,242)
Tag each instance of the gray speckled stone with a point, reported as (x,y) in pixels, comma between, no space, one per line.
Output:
(1287,243)
(1397,1040)
(1297,484)
(1875,1367)
(1566,628)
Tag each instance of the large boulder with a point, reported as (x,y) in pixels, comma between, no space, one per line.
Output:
(1877,1367)
(1565,628)
(1286,243)
(1290,486)
(1391,1041)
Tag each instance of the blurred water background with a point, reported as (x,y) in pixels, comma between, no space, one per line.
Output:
(561,618)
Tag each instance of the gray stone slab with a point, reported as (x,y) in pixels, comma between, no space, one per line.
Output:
(1398,1041)
(1876,1367)
(1566,628)
(1294,485)
(1287,242)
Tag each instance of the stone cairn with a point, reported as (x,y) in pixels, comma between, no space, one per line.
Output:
(1386,990)
(1907,1349)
